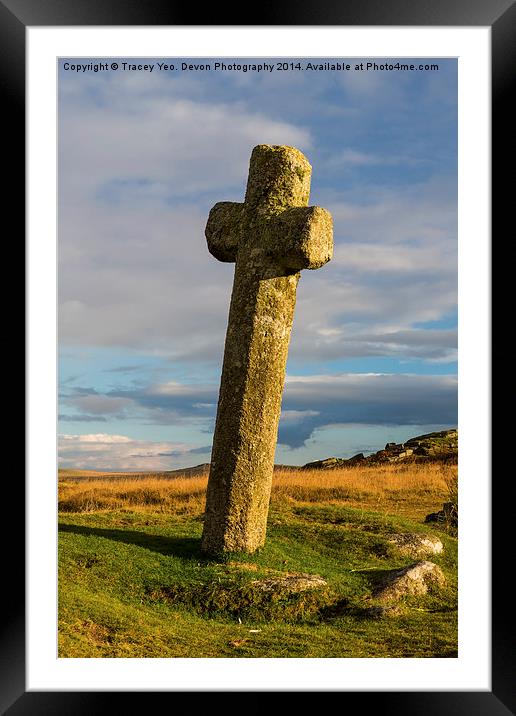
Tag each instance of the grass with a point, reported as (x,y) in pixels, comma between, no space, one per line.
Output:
(412,489)
(132,582)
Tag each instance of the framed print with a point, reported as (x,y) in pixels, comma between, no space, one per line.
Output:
(393,108)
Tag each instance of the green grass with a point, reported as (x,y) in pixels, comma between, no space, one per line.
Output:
(134,584)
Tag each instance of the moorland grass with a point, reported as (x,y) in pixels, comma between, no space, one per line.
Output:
(133,583)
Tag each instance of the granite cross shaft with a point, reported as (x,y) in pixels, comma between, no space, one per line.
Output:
(271,237)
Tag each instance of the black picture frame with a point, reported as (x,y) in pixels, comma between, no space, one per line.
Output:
(500,16)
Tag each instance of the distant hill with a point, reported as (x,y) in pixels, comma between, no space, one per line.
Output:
(66,473)
(441,445)
(201,469)
(75,475)
(430,447)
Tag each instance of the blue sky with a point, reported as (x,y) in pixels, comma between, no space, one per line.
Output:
(143,305)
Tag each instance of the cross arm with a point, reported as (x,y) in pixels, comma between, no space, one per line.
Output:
(223,230)
(302,237)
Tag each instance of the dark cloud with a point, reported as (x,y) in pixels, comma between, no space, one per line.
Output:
(200,450)
(309,403)
(123,369)
(81,418)
(374,399)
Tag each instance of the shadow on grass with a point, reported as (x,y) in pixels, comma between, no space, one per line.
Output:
(375,577)
(183,547)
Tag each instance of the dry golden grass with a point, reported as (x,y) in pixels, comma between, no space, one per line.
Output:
(175,495)
(411,489)
(71,474)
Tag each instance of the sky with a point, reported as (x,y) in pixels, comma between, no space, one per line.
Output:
(143,306)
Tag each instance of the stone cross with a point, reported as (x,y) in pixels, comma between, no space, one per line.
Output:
(271,236)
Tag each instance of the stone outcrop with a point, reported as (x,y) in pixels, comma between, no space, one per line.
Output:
(328,463)
(436,446)
(440,444)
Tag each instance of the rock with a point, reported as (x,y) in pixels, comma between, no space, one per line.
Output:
(441,445)
(290,583)
(413,544)
(380,456)
(448,515)
(412,580)
(449,508)
(329,462)
(358,458)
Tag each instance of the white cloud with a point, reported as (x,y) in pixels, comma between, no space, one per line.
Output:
(142,277)
(359,380)
(134,268)
(135,133)
(99,404)
(100,438)
(119,452)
